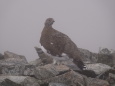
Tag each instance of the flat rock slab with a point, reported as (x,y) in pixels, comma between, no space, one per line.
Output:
(30,81)
(50,70)
(16,79)
(57,84)
(96,82)
(69,78)
(98,68)
(12,57)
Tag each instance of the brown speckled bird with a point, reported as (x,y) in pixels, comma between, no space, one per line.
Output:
(56,43)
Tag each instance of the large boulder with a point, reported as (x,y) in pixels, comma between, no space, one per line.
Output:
(69,78)
(11,80)
(12,69)
(13,64)
(107,59)
(104,51)
(50,70)
(14,58)
(18,81)
(88,57)
(106,56)
(37,62)
(30,81)
(96,82)
(98,68)
(57,84)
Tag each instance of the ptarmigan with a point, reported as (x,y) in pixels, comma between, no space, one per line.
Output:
(56,43)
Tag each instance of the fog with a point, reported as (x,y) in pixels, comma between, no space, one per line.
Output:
(89,23)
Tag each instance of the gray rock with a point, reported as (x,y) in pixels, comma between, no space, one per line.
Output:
(1,56)
(14,58)
(18,81)
(104,51)
(111,79)
(12,69)
(113,55)
(50,70)
(106,59)
(29,70)
(85,54)
(30,81)
(37,62)
(96,82)
(11,80)
(13,64)
(98,68)
(57,84)
(88,57)
(8,82)
(106,56)
(69,78)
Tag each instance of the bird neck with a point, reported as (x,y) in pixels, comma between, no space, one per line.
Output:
(48,27)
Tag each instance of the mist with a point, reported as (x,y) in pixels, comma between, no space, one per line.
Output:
(89,23)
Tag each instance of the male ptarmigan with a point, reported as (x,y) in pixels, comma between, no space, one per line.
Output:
(56,43)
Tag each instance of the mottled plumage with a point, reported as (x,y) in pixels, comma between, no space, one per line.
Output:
(56,43)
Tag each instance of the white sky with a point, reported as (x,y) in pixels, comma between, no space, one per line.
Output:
(89,23)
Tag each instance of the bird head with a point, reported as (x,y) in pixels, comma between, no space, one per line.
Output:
(49,22)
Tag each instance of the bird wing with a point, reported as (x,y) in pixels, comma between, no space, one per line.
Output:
(59,39)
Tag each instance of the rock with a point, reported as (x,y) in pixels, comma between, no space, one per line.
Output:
(88,73)
(113,55)
(18,81)
(13,64)
(88,57)
(106,56)
(98,68)
(37,62)
(12,57)
(30,81)
(69,78)
(104,51)
(45,72)
(1,56)
(57,84)
(11,80)
(96,82)
(50,70)
(12,69)
(111,79)
(8,82)
(29,70)
(106,59)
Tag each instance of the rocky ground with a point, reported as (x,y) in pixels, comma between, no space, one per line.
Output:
(55,71)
